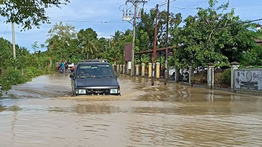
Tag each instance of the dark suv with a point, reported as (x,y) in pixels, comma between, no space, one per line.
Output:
(94,78)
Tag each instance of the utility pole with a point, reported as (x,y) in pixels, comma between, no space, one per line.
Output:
(133,42)
(127,17)
(13,39)
(167,21)
(154,52)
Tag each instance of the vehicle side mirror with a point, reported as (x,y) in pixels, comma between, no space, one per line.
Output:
(71,76)
(117,75)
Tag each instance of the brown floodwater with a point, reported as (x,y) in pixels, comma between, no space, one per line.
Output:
(42,113)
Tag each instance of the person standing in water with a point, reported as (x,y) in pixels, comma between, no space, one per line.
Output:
(57,66)
(63,66)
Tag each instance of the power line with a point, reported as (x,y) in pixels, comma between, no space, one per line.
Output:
(199,3)
(164,3)
(118,29)
(228,7)
(183,8)
(249,6)
(5,30)
(88,21)
(124,27)
(254,20)
(190,7)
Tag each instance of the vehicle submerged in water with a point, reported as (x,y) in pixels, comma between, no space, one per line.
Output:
(94,78)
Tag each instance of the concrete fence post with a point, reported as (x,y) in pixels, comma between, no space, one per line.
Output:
(157,70)
(117,68)
(234,66)
(177,74)
(127,69)
(143,69)
(124,68)
(114,67)
(190,75)
(137,70)
(120,68)
(210,75)
(149,70)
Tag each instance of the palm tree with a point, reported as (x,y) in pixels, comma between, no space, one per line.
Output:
(88,41)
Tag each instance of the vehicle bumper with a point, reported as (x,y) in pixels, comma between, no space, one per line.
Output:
(97,91)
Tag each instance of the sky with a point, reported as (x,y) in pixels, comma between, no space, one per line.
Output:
(105,16)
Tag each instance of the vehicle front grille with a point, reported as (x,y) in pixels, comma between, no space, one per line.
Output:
(98,91)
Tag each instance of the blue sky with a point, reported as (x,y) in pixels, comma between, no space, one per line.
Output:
(89,13)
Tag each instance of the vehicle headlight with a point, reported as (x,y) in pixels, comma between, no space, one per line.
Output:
(114,91)
(80,91)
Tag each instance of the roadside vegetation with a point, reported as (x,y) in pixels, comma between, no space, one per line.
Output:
(215,34)
(22,69)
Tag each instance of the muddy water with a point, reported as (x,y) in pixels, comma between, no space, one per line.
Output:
(41,113)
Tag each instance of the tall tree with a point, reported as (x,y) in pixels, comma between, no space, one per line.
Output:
(60,41)
(88,41)
(28,13)
(213,36)
(147,25)
(102,47)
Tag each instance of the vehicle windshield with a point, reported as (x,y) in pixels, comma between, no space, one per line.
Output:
(94,71)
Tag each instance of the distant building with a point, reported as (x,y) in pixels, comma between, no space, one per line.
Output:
(258,41)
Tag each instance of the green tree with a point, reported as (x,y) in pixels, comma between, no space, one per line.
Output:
(102,47)
(213,36)
(147,24)
(28,13)
(88,41)
(252,57)
(60,42)
(6,54)
(19,70)
(35,46)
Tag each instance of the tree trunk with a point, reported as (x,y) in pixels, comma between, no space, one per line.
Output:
(0,73)
(50,63)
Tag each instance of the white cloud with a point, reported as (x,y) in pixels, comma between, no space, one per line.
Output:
(91,11)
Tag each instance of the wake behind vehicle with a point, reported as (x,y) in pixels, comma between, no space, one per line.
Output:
(94,78)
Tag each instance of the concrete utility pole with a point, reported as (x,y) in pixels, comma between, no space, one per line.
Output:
(127,18)
(133,42)
(167,21)
(154,52)
(13,39)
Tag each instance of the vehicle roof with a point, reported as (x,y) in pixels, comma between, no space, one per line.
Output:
(93,63)
(94,60)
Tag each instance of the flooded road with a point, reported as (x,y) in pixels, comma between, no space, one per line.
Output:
(42,113)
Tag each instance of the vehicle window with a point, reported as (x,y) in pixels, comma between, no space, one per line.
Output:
(94,71)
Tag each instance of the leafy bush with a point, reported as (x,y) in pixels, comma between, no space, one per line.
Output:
(227,76)
(31,72)
(200,78)
(11,77)
(223,78)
